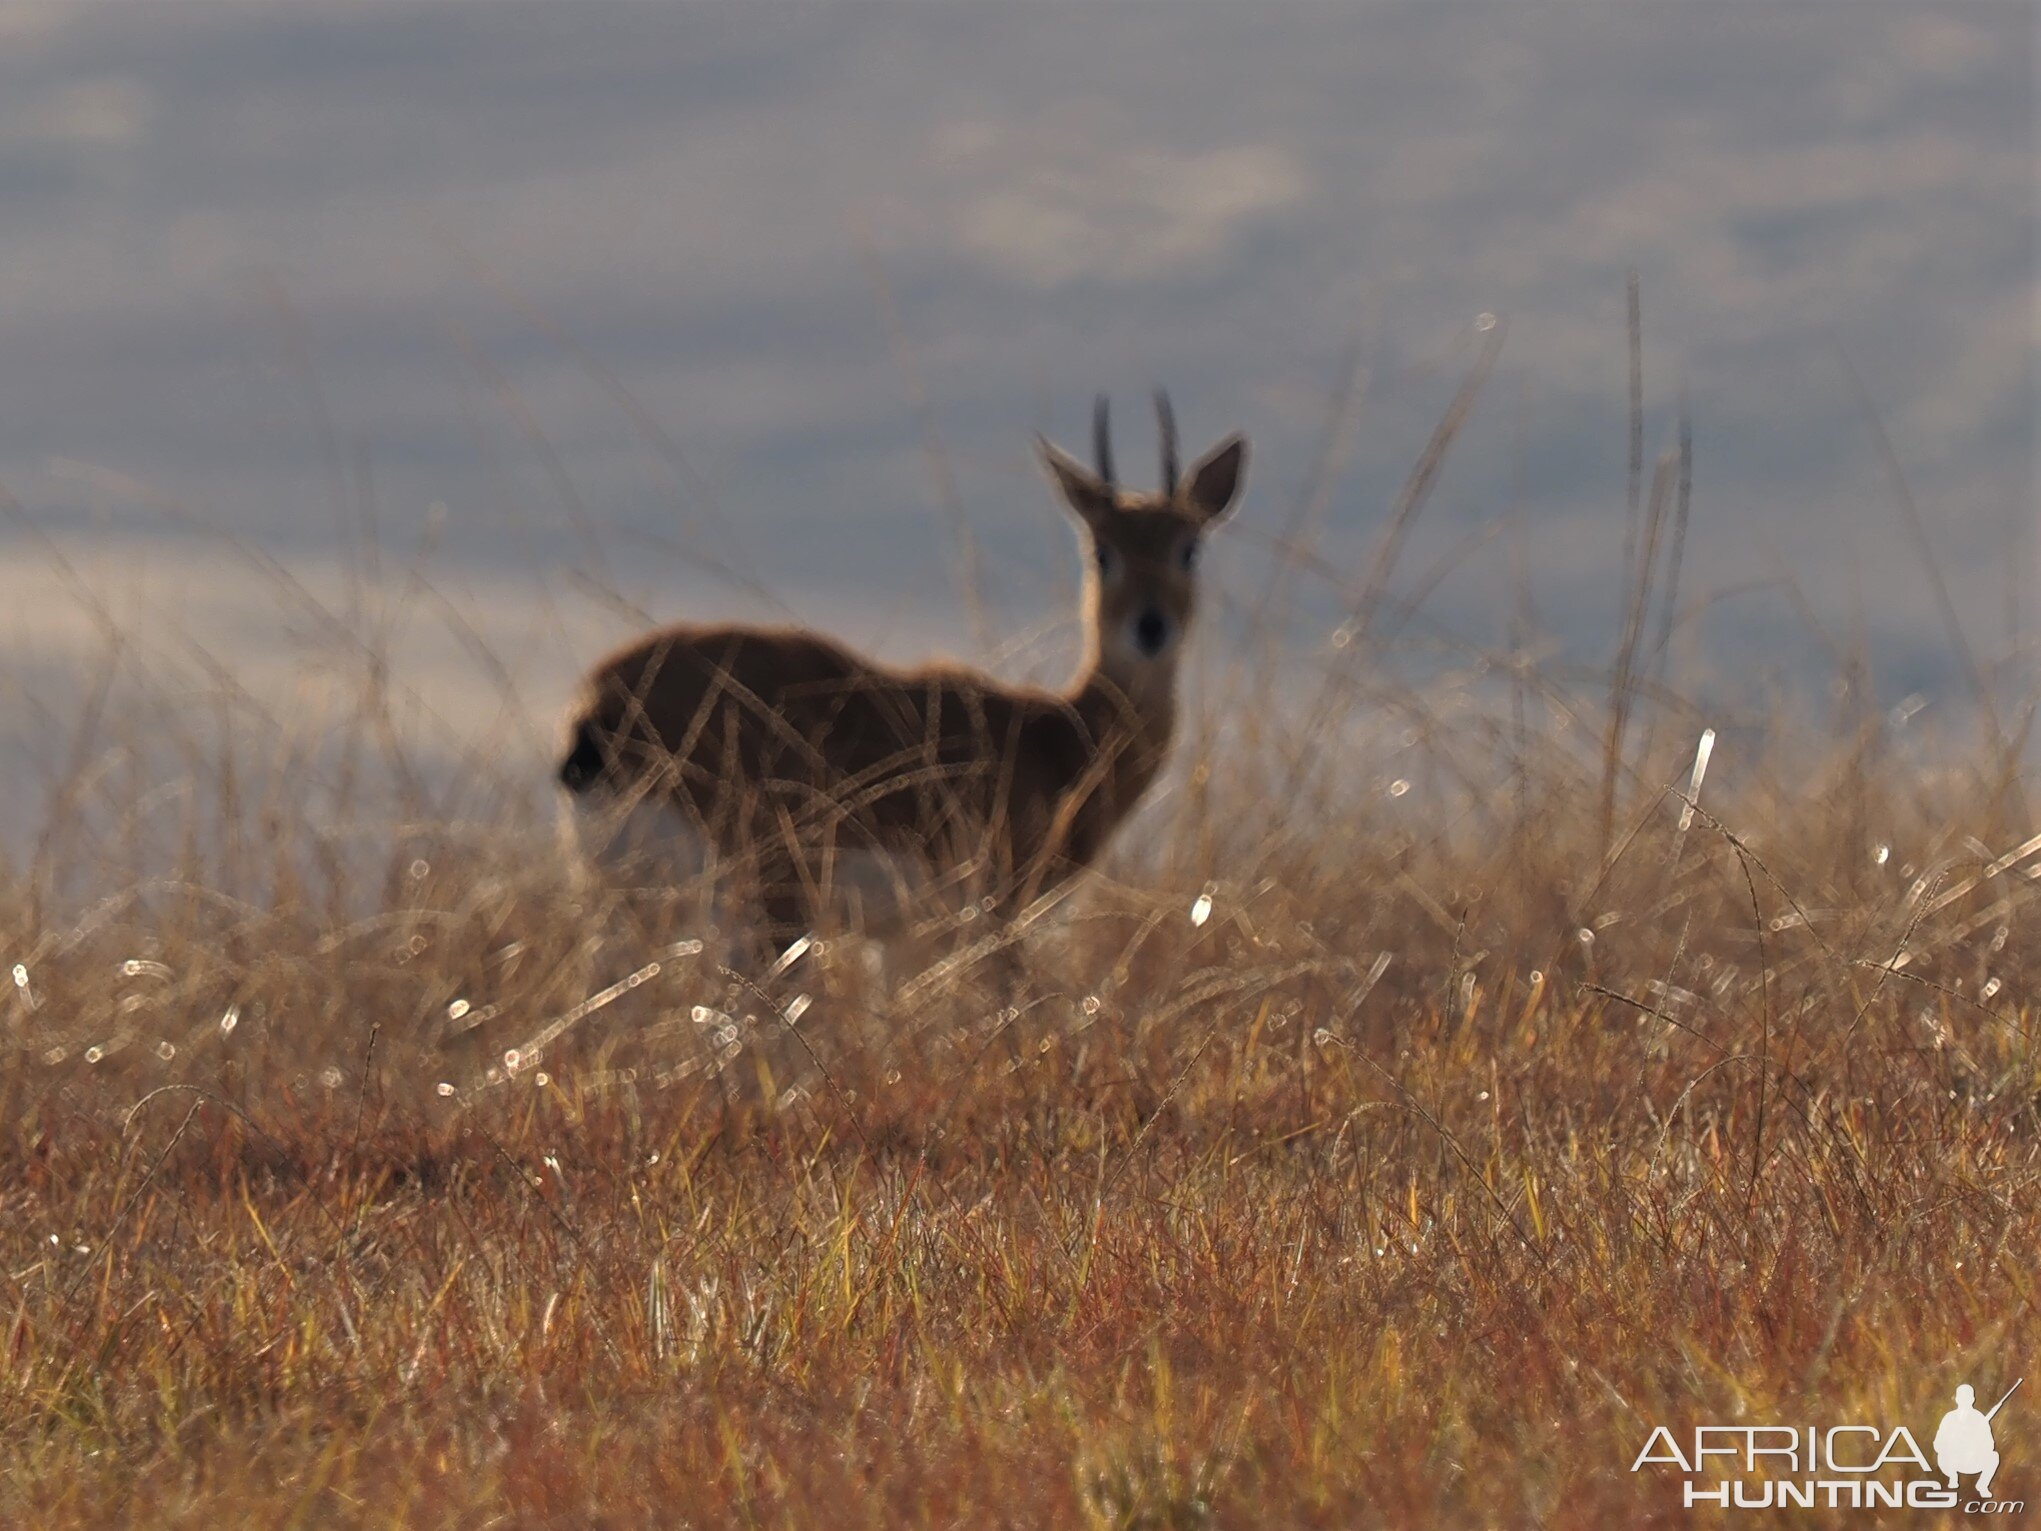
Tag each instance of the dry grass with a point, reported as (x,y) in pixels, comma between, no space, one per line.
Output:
(1449,1154)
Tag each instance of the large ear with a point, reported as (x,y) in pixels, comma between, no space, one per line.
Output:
(1081,489)
(1213,483)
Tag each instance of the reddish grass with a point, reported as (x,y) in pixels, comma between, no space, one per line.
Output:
(1489,1120)
(1214,1230)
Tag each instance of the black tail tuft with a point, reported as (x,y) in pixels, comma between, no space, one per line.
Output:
(584,762)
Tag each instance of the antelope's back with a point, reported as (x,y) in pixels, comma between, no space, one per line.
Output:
(756,729)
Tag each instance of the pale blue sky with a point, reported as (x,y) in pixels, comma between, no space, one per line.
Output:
(223,222)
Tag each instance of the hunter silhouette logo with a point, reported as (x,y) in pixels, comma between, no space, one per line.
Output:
(1964,1442)
(1852,1466)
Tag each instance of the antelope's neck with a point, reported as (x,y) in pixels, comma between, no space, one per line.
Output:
(1131,718)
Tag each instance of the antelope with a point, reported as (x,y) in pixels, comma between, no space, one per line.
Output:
(781,756)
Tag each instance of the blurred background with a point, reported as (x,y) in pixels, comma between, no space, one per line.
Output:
(489,331)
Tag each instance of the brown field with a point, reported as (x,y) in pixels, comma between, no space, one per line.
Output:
(1486,1120)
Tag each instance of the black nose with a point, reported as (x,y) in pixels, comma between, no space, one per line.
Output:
(1151,631)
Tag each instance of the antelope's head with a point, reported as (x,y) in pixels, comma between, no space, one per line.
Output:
(1141,565)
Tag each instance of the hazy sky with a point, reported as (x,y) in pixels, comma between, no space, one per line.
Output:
(281,273)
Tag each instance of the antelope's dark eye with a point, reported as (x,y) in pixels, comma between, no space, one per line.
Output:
(1187,555)
(1108,560)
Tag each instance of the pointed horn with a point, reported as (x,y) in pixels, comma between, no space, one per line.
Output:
(1165,419)
(1102,440)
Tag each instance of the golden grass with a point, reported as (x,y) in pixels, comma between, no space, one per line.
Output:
(1384,1196)
(1394,1137)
